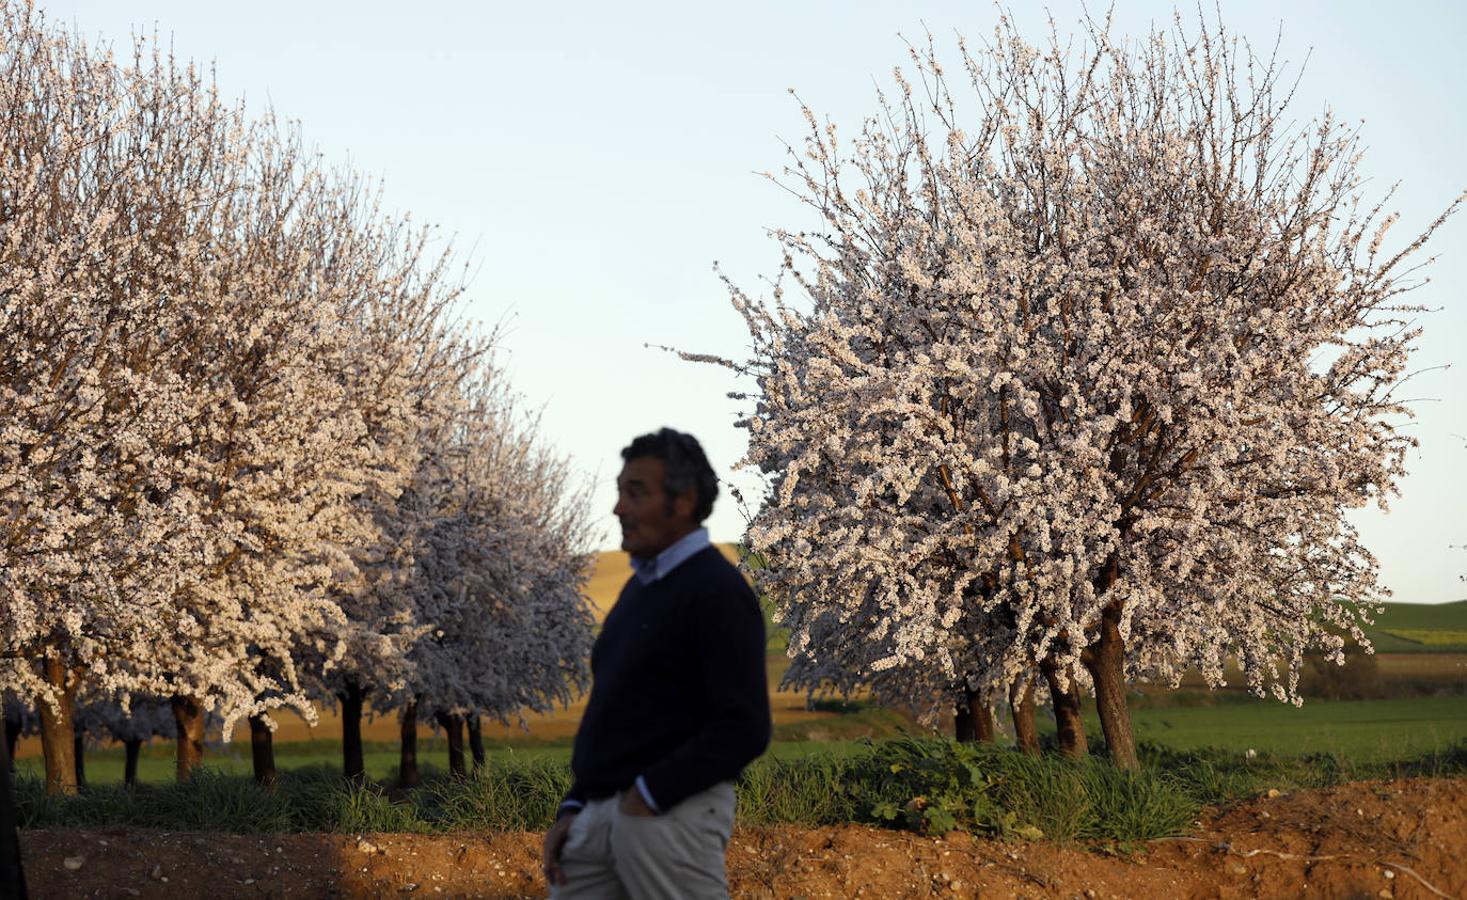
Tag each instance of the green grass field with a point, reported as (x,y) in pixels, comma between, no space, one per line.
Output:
(1429,637)
(156,762)
(1365,730)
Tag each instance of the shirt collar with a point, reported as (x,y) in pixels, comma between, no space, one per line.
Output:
(650,570)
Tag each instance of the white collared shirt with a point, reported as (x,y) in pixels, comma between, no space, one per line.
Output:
(656,568)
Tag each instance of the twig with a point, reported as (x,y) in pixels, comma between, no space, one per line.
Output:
(1424,883)
(1249,854)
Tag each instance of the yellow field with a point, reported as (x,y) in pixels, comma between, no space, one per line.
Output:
(613,568)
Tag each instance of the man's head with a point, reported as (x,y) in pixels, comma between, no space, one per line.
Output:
(665,490)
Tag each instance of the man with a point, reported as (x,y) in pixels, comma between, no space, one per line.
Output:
(12,873)
(679,698)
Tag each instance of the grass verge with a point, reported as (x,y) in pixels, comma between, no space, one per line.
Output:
(928,785)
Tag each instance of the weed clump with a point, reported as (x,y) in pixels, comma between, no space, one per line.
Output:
(933,786)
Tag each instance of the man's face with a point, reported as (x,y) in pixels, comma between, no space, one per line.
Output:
(649,523)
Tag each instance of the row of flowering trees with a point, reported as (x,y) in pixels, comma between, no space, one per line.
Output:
(1088,366)
(249,461)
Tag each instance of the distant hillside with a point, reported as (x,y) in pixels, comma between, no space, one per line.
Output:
(1437,616)
(1421,628)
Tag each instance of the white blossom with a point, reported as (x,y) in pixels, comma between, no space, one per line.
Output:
(1104,336)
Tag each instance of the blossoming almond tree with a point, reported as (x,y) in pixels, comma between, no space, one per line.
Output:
(277,455)
(406,375)
(1090,368)
(133,724)
(928,691)
(502,567)
(179,457)
(89,399)
(223,369)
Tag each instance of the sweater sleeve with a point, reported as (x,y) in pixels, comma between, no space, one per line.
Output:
(727,630)
(574,801)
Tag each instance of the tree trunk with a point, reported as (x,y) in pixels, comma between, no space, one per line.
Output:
(407,767)
(1021,707)
(974,721)
(1106,661)
(78,753)
(453,726)
(13,727)
(12,875)
(1068,725)
(188,716)
(262,751)
(353,765)
(57,729)
(963,730)
(476,743)
(130,767)
(983,718)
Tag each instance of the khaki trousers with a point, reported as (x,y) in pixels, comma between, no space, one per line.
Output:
(677,854)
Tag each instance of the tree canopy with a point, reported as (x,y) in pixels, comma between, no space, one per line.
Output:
(1092,352)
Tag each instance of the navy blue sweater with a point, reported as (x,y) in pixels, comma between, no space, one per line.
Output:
(679,693)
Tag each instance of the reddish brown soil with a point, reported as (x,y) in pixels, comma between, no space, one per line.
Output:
(1403,839)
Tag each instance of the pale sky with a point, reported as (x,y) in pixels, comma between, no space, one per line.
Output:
(593,160)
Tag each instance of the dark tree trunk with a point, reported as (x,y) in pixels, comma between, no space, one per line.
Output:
(133,748)
(13,726)
(1068,724)
(12,874)
(262,751)
(476,743)
(78,753)
(57,730)
(1106,661)
(407,767)
(1021,707)
(964,731)
(974,720)
(188,717)
(453,727)
(353,765)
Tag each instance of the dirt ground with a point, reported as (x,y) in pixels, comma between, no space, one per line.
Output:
(1405,839)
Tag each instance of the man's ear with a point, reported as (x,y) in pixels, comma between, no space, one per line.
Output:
(685,503)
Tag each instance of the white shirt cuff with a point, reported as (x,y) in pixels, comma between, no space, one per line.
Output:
(647,795)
